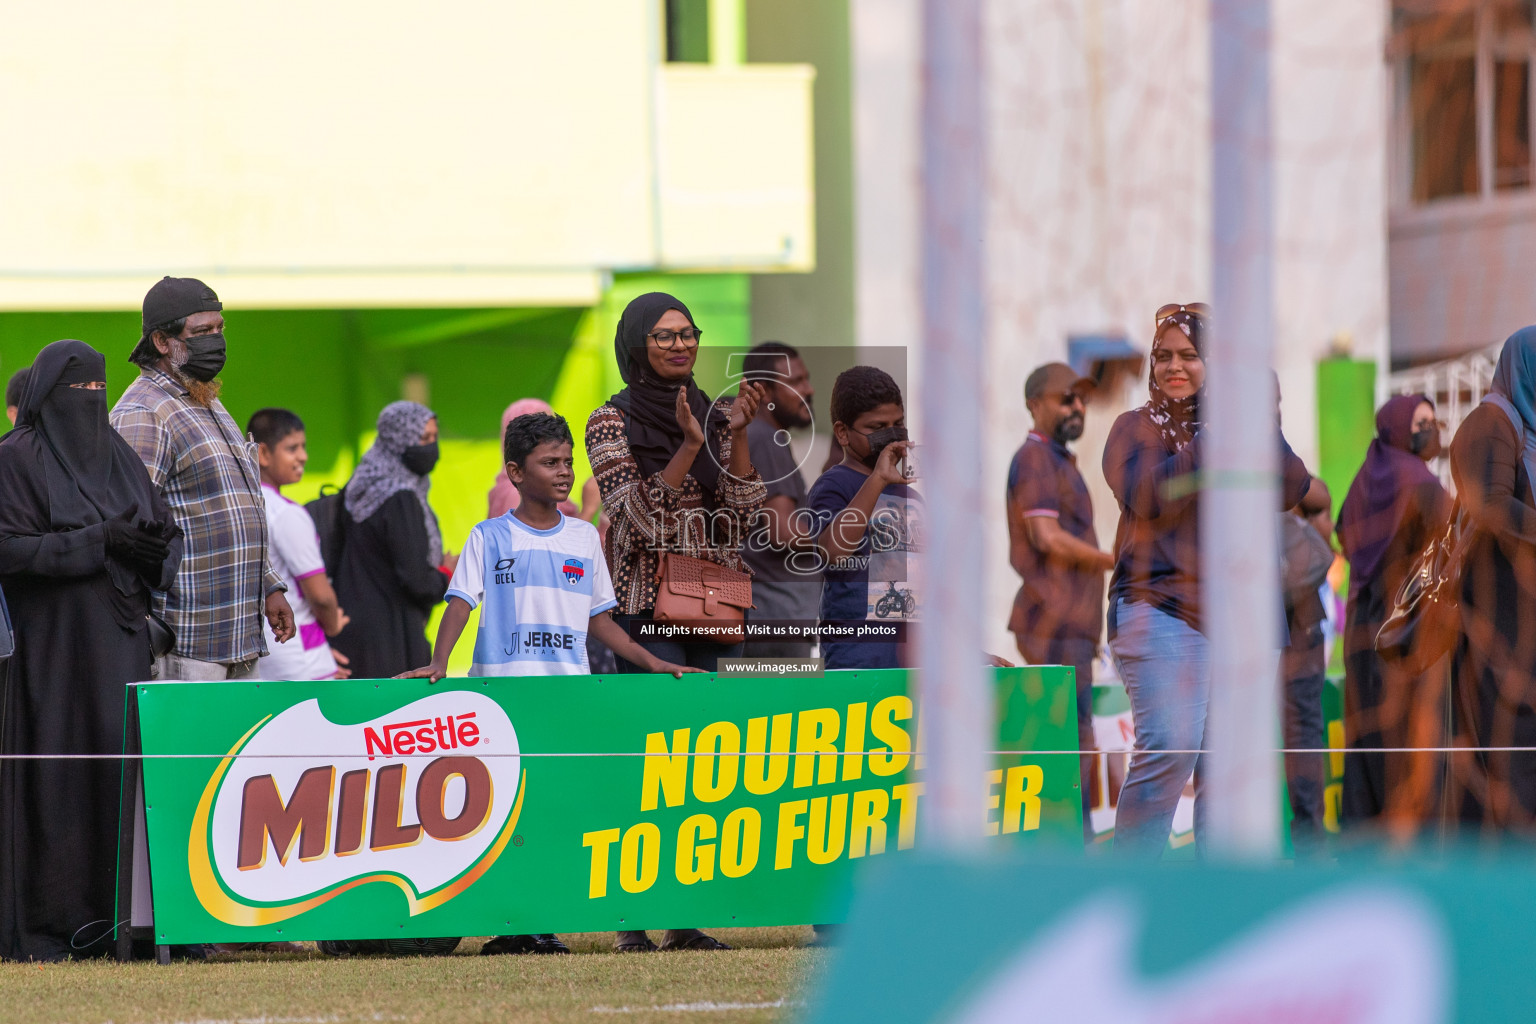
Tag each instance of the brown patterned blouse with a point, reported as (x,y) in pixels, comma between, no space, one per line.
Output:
(648,514)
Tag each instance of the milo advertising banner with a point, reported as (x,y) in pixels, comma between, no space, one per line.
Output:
(398,808)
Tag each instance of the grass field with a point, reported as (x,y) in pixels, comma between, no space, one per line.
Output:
(764,979)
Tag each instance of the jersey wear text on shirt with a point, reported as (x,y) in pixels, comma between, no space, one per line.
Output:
(536,590)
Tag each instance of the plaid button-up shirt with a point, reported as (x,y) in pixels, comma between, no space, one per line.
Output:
(210,478)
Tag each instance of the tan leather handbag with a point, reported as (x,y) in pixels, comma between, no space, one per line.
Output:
(691,591)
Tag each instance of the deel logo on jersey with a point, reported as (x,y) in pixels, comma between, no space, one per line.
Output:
(573,570)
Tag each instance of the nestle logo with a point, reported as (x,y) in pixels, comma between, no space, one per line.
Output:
(422,736)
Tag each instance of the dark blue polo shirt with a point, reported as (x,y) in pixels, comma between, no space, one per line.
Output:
(1056,600)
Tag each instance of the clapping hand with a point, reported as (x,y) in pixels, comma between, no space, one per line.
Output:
(744,408)
(692,433)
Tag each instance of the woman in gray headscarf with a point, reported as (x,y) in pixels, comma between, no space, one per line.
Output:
(393,569)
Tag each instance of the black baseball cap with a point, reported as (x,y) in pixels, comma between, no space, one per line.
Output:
(170,299)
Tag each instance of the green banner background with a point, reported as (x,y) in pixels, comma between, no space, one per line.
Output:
(543,879)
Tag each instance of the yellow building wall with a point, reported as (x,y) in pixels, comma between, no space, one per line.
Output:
(348,154)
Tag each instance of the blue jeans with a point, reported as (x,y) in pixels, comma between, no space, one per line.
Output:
(1165,665)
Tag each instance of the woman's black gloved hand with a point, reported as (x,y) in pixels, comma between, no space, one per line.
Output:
(140,548)
(120,536)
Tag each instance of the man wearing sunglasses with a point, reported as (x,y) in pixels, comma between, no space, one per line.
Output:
(1058,613)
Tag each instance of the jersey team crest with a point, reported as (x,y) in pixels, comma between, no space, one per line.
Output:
(573,570)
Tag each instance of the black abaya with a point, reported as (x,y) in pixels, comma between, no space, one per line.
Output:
(1494,674)
(1394,506)
(81,638)
(389,588)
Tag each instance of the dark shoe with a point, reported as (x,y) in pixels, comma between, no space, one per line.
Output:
(350,947)
(422,947)
(636,947)
(699,941)
(550,944)
(545,943)
(144,949)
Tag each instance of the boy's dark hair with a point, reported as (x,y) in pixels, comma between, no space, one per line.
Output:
(526,433)
(17,385)
(270,426)
(767,360)
(859,389)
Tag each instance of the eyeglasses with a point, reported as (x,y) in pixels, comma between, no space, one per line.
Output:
(90,385)
(1199,309)
(668,340)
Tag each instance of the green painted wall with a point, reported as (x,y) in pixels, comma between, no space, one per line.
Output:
(338,368)
(1346,421)
(687,30)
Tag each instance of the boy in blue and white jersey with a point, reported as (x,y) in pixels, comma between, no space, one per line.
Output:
(539,576)
(542,584)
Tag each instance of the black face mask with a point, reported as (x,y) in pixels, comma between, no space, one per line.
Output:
(420,458)
(205,357)
(1425,443)
(879,440)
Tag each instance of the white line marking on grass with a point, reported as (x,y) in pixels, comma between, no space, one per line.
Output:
(704,1007)
(282,1020)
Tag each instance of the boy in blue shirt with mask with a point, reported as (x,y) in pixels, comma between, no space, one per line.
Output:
(868,522)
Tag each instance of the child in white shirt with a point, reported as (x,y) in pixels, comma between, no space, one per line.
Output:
(539,576)
(293,549)
(542,583)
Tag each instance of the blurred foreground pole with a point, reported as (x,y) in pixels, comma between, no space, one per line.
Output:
(1239,545)
(956,700)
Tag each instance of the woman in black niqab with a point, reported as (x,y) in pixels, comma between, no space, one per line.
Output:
(84,538)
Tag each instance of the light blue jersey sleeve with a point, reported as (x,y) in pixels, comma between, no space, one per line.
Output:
(602,584)
(468,582)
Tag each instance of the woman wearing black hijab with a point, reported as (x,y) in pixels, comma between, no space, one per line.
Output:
(675,476)
(84,536)
(1394,506)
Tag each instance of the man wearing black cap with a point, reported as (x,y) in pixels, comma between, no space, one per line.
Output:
(1058,613)
(171,415)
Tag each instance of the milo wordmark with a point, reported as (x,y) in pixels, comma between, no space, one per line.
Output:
(422,799)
